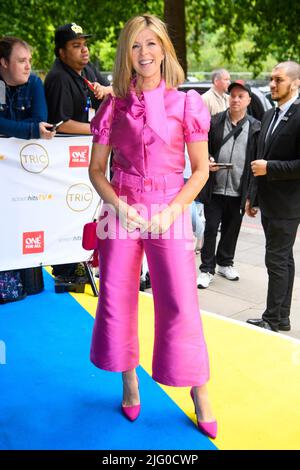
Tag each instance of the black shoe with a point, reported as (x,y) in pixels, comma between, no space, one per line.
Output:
(64,278)
(148,281)
(261,323)
(145,283)
(284,325)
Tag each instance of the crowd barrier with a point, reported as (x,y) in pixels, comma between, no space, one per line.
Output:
(45,199)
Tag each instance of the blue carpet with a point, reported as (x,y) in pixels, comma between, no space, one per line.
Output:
(52,397)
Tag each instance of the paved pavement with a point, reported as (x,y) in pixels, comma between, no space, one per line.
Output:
(246,298)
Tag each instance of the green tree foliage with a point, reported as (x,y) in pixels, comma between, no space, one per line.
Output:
(274,27)
(269,28)
(209,56)
(36,20)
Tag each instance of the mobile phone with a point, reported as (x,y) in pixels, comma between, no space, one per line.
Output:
(223,165)
(55,126)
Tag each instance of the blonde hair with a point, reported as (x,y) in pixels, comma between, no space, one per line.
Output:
(123,73)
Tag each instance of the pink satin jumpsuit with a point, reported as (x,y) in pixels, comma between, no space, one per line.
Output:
(148,134)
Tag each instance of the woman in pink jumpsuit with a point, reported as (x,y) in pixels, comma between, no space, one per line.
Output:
(147,124)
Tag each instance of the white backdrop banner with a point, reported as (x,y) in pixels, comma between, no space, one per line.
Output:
(46,198)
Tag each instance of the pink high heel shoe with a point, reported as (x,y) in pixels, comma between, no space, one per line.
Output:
(132,412)
(209,428)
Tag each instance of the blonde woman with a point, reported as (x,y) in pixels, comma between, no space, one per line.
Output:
(146,210)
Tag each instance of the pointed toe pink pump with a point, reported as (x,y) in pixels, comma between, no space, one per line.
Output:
(209,428)
(131,412)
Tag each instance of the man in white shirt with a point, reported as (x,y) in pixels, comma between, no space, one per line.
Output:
(216,98)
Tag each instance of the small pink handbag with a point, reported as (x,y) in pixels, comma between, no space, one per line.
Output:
(89,236)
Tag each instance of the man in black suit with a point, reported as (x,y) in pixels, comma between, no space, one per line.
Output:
(277,188)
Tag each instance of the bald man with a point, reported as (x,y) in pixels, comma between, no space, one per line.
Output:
(276,184)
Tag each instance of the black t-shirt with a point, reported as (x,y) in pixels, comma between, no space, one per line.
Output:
(67,95)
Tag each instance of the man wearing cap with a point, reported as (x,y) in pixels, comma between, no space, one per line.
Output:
(232,142)
(276,184)
(68,93)
(216,98)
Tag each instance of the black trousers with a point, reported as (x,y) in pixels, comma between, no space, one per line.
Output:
(224,209)
(280,238)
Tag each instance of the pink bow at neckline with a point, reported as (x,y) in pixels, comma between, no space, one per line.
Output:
(153,106)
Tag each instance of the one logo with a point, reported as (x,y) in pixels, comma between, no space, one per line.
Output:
(33,242)
(79,156)
(34,158)
(79,197)
(2,157)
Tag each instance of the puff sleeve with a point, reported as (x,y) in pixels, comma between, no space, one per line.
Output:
(101,123)
(196,121)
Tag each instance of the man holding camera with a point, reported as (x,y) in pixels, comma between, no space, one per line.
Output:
(232,145)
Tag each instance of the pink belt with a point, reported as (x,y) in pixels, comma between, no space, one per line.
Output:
(152,183)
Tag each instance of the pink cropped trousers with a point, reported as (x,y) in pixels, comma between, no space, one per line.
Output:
(180,355)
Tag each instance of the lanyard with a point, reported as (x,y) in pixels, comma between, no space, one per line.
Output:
(88,104)
(88,99)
